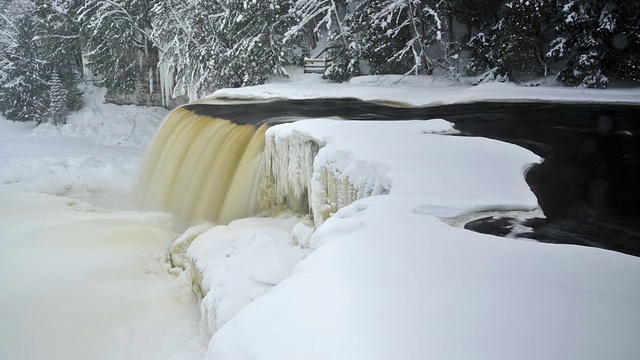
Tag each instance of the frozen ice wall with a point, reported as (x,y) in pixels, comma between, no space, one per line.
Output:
(327,164)
(295,180)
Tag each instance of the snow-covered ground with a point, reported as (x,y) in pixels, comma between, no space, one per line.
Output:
(384,277)
(94,157)
(388,278)
(424,91)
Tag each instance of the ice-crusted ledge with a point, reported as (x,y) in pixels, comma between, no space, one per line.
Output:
(322,165)
(229,266)
(295,180)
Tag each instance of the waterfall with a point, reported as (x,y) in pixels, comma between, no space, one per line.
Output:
(203,168)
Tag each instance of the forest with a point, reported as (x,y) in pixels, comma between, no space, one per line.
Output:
(193,47)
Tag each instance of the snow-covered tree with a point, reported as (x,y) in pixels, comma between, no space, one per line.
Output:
(408,36)
(23,83)
(57,100)
(597,39)
(511,39)
(116,35)
(578,40)
(61,45)
(331,20)
(37,44)
(622,39)
(255,36)
(211,44)
(423,24)
(381,40)
(522,38)
(475,14)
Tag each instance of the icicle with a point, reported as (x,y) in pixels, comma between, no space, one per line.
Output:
(296,180)
(86,72)
(150,80)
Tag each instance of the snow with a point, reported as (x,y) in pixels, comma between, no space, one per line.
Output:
(94,157)
(109,124)
(385,276)
(390,283)
(240,262)
(425,91)
(389,278)
(79,281)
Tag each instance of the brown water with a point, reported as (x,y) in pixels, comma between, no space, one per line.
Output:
(203,168)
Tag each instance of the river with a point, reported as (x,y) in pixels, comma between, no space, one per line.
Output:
(588,186)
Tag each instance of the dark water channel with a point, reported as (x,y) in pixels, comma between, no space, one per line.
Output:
(588,185)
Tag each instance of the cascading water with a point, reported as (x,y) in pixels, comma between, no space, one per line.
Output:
(202,168)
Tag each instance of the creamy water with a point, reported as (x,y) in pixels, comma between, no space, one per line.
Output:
(202,168)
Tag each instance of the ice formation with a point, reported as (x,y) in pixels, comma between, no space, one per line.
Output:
(327,164)
(294,180)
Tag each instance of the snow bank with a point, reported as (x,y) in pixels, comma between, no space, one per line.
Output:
(390,283)
(79,282)
(444,175)
(419,92)
(109,124)
(233,265)
(94,157)
(389,279)
(82,177)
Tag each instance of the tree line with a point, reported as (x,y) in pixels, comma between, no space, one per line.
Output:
(197,46)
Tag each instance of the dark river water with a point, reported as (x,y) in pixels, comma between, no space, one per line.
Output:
(588,185)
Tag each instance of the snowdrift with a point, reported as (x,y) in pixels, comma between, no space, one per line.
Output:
(384,276)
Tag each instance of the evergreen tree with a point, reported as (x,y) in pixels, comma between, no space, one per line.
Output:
(344,51)
(579,40)
(61,45)
(116,35)
(254,32)
(35,45)
(512,39)
(404,30)
(181,30)
(23,86)
(522,38)
(475,14)
(381,39)
(622,40)
(57,100)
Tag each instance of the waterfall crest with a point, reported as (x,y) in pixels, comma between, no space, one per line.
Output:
(203,168)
